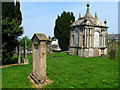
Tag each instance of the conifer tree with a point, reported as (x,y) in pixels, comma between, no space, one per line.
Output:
(18,12)
(62,29)
(8,10)
(11,30)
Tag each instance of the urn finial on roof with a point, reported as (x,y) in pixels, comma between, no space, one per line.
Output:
(105,21)
(79,16)
(96,16)
(87,15)
(88,5)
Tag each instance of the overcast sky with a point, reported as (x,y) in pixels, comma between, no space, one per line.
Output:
(39,17)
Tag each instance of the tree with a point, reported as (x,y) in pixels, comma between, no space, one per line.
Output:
(29,42)
(11,30)
(8,10)
(62,29)
(18,12)
(10,33)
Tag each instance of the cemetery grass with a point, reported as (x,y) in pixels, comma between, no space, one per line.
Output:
(67,72)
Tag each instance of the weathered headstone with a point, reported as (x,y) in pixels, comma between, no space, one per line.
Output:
(51,52)
(114,44)
(48,48)
(39,58)
(113,50)
(19,55)
(25,53)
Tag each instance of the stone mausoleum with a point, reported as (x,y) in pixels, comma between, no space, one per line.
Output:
(88,36)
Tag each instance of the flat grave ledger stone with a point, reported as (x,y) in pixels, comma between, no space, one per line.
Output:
(39,58)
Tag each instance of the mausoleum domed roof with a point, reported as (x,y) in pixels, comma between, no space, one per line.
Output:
(88,19)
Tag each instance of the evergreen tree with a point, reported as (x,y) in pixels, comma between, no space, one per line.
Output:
(62,29)
(8,10)
(18,12)
(11,30)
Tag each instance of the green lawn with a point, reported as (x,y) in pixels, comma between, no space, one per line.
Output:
(67,72)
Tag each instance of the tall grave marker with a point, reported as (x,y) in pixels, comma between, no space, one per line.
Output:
(25,53)
(19,55)
(39,58)
(113,50)
(51,52)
